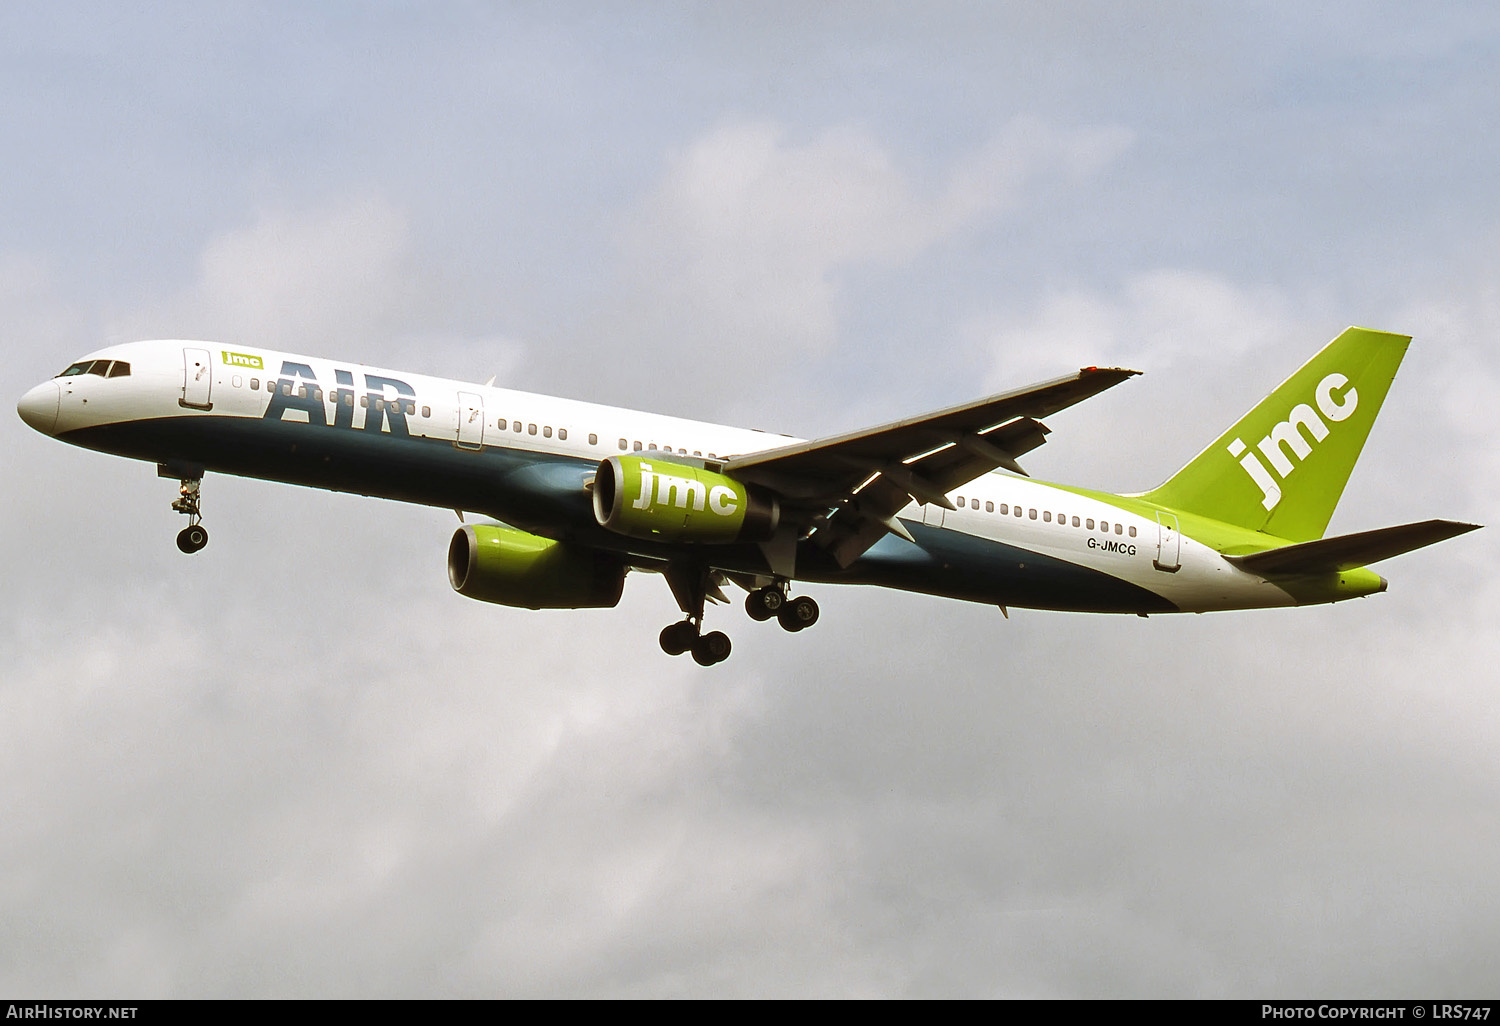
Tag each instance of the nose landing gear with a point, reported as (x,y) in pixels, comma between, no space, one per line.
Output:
(194,536)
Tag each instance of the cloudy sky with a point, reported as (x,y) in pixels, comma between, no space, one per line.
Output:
(297,764)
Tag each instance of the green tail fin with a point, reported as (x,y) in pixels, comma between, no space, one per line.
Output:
(1283,466)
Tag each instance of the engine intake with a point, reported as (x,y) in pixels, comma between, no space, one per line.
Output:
(499,564)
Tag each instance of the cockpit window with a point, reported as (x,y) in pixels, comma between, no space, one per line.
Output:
(103,368)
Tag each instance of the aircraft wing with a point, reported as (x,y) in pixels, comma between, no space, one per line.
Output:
(865,477)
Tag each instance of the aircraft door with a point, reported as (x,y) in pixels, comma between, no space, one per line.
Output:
(197,379)
(470,421)
(1169,543)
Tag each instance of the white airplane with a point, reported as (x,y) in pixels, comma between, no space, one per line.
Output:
(583,494)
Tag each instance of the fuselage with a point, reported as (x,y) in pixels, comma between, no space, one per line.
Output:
(529,461)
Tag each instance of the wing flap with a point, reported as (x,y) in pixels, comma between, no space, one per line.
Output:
(1347,551)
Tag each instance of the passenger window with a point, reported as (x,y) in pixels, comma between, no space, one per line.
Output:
(562,434)
(1118,529)
(364,402)
(624,445)
(697,453)
(1031,514)
(1046,516)
(1075,521)
(286,388)
(637,446)
(348,398)
(593,438)
(989,507)
(121,369)
(237,381)
(1132,532)
(1104,526)
(270,385)
(255,384)
(531,429)
(547,431)
(960,502)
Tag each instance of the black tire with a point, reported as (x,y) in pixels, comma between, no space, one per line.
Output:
(191,539)
(756,606)
(798,614)
(711,648)
(677,638)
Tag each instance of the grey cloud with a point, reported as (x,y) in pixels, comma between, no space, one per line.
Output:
(297,764)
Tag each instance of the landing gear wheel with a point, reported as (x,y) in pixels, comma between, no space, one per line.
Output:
(798,614)
(765,603)
(191,539)
(677,638)
(711,648)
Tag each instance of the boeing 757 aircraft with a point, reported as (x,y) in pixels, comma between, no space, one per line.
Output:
(583,494)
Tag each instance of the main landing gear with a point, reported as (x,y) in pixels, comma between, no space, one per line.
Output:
(693,586)
(194,536)
(772,602)
(685,636)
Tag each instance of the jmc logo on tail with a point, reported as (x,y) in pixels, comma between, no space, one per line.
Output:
(1286,441)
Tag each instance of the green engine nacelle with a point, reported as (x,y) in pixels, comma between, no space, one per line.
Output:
(661,500)
(500,564)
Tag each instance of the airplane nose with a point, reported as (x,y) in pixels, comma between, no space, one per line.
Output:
(39,406)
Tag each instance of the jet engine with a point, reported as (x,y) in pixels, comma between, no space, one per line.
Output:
(499,564)
(663,500)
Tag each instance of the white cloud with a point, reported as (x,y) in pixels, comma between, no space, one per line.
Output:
(1164,317)
(300,280)
(1209,349)
(739,252)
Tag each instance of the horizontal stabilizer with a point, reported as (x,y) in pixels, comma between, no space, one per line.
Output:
(1345,552)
